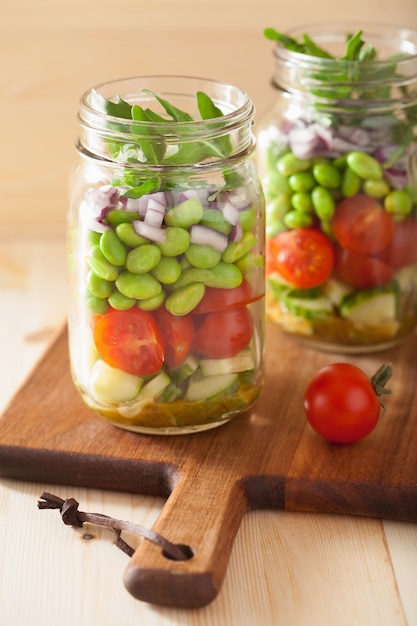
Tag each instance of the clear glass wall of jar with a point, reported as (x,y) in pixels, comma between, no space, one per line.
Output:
(337,158)
(166,255)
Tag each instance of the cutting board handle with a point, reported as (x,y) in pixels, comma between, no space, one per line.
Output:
(204,513)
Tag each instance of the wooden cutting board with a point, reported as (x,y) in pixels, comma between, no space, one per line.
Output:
(269,458)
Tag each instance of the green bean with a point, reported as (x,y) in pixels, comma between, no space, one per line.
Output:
(99,287)
(237,249)
(364,165)
(98,264)
(289,164)
(323,202)
(398,202)
(151,304)
(143,259)
(351,183)
(138,286)
(176,241)
(112,248)
(302,181)
(121,216)
(183,300)
(201,255)
(97,306)
(376,188)
(327,175)
(297,219)
(129,236)
(168,270)
(301,201)
(120,302)
(214,218)
(185,214)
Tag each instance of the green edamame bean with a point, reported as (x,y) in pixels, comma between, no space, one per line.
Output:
(398,202)
(224,276)
(93,238)
(99,287)
(247,263)
(274,229)
(193,275)
(168,270)
(129,236)
(138,286)
(98,264)
(302,181)
(364,165)
(247,219)
(301,201)
(340,162)
(112,248)
(121,216)
(97,306)
(200,255)
(289,164)
(213,218)
(277,208)
(351,183)
(182,301)
(176,241)
(185,214)
(143,259)
(120,302)
(276,184)
(151,304)
(376,188)
(297,219)
(327,175)
(237,249)
(323,202)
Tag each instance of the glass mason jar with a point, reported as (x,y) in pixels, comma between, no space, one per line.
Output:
(166,253)
(336,154)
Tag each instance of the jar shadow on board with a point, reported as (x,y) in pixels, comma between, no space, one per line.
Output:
(337,157)
(166,255)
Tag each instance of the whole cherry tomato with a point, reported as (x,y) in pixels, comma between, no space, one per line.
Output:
(223,334)
(361,225)
(302,256)
(342,404)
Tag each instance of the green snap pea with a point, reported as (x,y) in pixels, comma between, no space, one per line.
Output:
(120,302)
(168,270)
(364,165)
(301,201)
(176,241)
(185,214)
(237,249)
(224,276)
(97,306)
(323,202)
(121,216)
(398,202)
(297,219)
(99,287)
(351,183)
(98,264)
(112,248)
(138,286)
(289,164)
(247,219)
(213,218)
(151,304)
(376,188)
(302,181)
(201,255)
(183,300)
(327,175)
(143,259)
(129,236)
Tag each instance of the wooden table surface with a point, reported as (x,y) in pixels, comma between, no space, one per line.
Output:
(292,569)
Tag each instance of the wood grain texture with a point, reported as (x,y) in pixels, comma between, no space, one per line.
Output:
(269,459)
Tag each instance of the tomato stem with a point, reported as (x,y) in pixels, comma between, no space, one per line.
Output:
(379,380)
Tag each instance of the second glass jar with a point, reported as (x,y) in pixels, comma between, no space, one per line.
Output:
(337,155)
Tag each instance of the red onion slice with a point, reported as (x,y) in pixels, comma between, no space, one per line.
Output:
(204,235)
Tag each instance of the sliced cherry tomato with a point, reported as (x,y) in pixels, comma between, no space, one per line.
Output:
(130,341)
(222,334)
(362,226)
(303,257)
(362,272)
(403,248)
(342,404)
(177,334)
(215,299)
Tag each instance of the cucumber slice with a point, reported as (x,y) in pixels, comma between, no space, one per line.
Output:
(307,303)
(208,387)
(232,365)
(335,291)
(155,386)
(111,385)
(187,369)
(371,306)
